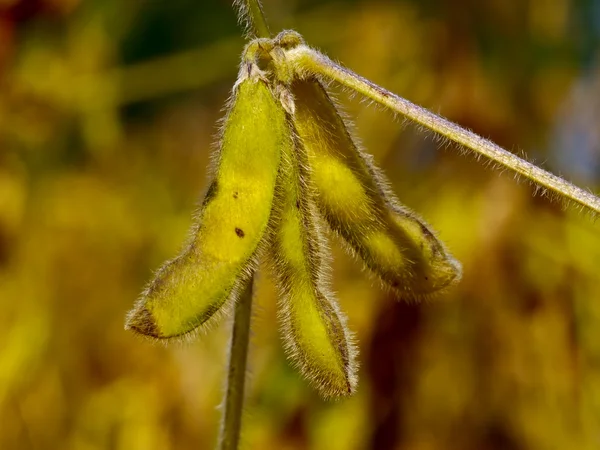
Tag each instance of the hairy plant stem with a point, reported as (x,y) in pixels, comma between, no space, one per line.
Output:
(251,12)
(307,60)
(233,400)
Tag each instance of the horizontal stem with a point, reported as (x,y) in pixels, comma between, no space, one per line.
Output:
(307,60)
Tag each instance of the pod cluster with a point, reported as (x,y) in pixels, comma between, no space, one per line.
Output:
(286,166)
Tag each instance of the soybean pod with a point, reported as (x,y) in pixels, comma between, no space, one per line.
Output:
(232,221)
(353,196)
(313,328)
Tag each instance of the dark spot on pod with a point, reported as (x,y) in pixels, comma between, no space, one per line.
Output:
(210,193)
(298,204)
(235,195)
(239,232)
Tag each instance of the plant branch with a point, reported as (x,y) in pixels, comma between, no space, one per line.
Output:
(250,12)
(307,60)
(238,356)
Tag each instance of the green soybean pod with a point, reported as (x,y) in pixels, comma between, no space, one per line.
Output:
(353,195)
(313,329)
(231,223)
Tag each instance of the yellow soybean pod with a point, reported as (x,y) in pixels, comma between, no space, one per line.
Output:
(313,328)
(232,222)
(352,194)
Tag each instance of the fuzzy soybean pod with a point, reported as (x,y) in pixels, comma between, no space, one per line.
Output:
(352,194)
(312,326)
(231,223)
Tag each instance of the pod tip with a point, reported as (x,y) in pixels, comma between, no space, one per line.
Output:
(140,321)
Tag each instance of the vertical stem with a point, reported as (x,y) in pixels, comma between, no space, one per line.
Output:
(257,24)
(233,401)
(236,377)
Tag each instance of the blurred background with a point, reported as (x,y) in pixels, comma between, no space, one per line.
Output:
(108,112)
